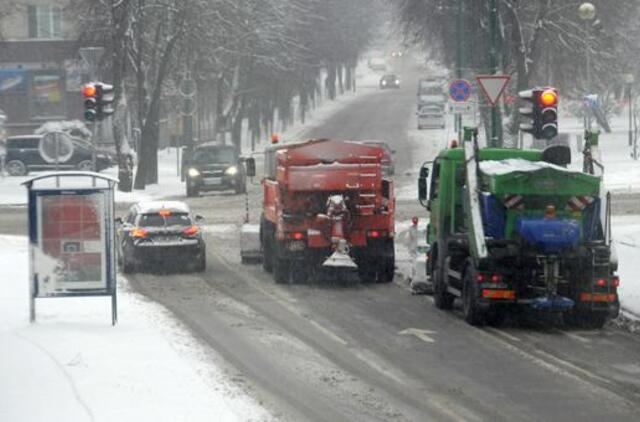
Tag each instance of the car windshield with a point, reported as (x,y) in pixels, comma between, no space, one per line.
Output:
(214,156)
(157,220)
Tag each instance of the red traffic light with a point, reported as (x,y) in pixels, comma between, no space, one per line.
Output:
(548,98)
(89,90)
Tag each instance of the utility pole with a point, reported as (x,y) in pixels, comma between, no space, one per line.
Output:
(493,65)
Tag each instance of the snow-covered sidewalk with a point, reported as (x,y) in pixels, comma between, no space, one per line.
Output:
(72,365)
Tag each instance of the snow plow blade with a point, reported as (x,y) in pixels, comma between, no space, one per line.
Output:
(250,251)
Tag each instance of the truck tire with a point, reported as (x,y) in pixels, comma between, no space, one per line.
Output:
(299,271)
(281,270)
(586,319)
(441,298)
(470,309)
(266,242)
(16,168)
(387,263)
(128,267)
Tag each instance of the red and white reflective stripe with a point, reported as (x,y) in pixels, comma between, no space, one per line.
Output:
(514,201)
(578,203)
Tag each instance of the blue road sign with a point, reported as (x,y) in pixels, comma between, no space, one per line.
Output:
(459,90)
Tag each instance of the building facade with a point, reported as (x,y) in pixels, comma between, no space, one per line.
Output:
(41,72)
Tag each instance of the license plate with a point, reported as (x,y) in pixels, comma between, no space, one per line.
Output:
(214,181)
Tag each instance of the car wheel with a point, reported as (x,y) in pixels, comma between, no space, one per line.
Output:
(85,165)
(128,267)
(16,168)
(192,191)
(201,264)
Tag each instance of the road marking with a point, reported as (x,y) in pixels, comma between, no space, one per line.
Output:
(503,334)
(574,336)
(423,335)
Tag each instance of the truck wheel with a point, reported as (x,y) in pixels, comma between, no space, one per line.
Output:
(470,309)
(441,298)
(299,272)
(367,274)
(281,270)
(586,319)
(387,264)
(267,248)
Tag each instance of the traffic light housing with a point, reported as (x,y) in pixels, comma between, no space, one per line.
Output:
(541,113)
(89,92)
(98,101)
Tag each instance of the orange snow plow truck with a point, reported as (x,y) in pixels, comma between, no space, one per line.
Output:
(326,203)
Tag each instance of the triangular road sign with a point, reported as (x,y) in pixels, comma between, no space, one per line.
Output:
(493,86)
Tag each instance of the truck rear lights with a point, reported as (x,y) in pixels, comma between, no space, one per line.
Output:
(615,282)
(375,234)
(601,282)
(296,235)
(481,278)
(139,233)
(191,231)
(496,278)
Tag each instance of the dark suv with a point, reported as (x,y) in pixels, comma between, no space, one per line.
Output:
(28,153)
(213,166)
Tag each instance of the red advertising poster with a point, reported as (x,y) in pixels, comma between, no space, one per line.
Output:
(71,253)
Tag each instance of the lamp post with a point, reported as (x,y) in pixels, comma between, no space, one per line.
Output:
(629,79)
(587,12)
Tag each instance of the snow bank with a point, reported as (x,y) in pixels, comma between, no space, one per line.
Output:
(626,235)
(72,365)
(500,167)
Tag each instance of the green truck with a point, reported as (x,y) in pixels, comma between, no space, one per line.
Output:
(514,229)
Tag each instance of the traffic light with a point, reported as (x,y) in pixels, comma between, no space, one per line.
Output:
(89,93)
(549,113)
(105,100)
(541,114)
(98,101)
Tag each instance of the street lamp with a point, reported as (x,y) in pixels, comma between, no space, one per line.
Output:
(629,79)
(587,12)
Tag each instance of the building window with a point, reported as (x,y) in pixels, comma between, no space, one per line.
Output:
(45,22)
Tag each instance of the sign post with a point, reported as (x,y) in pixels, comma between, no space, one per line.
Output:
(71,238)
(493,86)
(459,92)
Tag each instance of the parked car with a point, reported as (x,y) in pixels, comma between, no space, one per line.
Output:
(388,167)
(430,117)
(155,233)
(29,153)
(389,80)
(214,167)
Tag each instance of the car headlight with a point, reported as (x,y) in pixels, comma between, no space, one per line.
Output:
(231,171)
(384,82)
(397,81)
(192,172)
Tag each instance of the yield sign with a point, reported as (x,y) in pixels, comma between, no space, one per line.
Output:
(493,86)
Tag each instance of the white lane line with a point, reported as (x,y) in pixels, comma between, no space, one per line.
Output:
(574,336)
(503,334)
(424,335)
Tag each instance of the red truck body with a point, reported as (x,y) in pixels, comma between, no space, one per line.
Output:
(299,227)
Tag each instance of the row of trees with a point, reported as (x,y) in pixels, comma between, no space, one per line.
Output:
(540,42)
(250,60)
